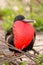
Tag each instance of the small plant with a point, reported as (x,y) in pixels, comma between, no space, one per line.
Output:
(23,63)
(8,18)
(40,59)
(5,63)
(1,14)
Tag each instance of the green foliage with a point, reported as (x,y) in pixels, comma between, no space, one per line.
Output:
(20,10)
(5,63)
(8,18)
(37,14)
(39,23)
(1,11)
(40,59)
(23,63)
(41,56)
(6,26)
(9,14)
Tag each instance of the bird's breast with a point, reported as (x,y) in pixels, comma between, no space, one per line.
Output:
(23,34)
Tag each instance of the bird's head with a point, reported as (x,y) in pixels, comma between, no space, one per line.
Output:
(22,18)
(19,17)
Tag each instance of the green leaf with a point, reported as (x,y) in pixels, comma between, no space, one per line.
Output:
(5,63)
(23,63)
(41,56)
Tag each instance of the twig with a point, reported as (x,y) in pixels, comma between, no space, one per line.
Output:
(28,55)
(38,45)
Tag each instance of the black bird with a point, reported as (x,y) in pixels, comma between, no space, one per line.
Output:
(9,36)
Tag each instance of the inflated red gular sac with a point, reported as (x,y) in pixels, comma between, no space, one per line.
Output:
(21,35)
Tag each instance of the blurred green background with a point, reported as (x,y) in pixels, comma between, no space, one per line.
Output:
(31,9)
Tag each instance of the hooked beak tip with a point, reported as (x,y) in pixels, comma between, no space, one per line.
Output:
(30,21)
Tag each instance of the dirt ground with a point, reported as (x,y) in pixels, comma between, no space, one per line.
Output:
(4,48)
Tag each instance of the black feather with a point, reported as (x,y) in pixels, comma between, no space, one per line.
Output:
(10,32)
(19,17)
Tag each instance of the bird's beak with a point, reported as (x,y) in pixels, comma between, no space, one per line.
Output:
(30,21)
